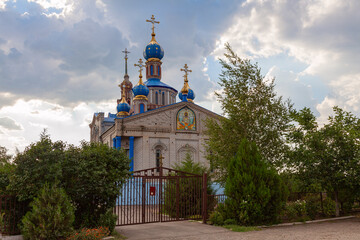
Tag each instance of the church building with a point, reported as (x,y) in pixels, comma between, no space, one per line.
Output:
(150,124)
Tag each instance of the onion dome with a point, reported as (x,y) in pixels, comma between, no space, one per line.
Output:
(190,96)
(123,108)
(140,90)
(153,50)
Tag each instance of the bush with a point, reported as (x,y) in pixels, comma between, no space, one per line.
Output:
(295,211)
(90,234)
(217,218)
(108,220)
(92,175)
(312,206)
(329,207)
(230,222)
(255,192)
(51,217)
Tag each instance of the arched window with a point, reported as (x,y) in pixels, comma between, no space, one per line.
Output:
(142,108)
(163,98)
(158,156)
(156,98)
(151,70)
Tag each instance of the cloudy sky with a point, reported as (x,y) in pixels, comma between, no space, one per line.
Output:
(61,60)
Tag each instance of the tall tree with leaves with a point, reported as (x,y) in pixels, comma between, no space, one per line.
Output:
(252,110)
(330,155)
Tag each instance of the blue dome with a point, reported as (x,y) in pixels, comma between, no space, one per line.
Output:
(123,107)
(140,90)
(191,95)
(153,50)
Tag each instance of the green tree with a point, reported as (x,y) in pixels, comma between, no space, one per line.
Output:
(255,192)
(92,175)
(51,216)
(329,155)
(6,169)
(252,110)
(40,163)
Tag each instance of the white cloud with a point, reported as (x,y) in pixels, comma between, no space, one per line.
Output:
(322,34)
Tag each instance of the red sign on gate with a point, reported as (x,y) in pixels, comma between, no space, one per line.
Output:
(152,191)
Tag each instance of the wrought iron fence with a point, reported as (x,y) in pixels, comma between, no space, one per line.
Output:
(161,195)
(11,212)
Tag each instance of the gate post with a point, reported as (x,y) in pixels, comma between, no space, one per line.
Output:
(204,196)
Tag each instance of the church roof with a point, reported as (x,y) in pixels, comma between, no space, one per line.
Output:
(155,82)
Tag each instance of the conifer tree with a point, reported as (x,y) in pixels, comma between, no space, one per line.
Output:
(254,190)
(51,217)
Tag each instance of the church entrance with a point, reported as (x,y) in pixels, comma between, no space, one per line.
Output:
(161,195)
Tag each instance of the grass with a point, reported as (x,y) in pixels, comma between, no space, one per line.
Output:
(118,236)
(237,228)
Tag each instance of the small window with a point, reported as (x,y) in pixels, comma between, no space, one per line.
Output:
(163,98)
(156,98)
(158,157)
(151,70)
(158,70)
(142,108)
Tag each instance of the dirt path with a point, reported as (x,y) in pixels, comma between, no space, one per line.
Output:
(342,230)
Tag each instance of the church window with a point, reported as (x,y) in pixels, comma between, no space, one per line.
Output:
(158,157)
(185,119)
(142,108)
(156,98)
(151,70)
(158,70)
(163,98)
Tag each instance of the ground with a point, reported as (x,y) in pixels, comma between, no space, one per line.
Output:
(348,229)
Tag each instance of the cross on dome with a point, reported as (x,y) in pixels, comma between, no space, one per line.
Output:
(126,58)
(187,71)
(153,23)
(140,65)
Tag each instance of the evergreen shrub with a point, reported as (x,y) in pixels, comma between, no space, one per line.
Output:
(255,192)
(329,207)
(51,216)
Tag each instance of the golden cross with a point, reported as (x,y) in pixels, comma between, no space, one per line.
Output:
(140,65)
(161,160)
(186,70)
(153,23)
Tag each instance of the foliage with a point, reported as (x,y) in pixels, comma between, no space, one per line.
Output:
(217,218)
(40,163)
(254,190)
(188,190)
(313,206)
(90,234)
(51,217)
(327,156)
(6,169)
(329,207)
(108,220)
(92,175)
(252,110)
(295,211)
(230,221)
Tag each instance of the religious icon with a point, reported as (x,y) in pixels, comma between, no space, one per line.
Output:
(185,119)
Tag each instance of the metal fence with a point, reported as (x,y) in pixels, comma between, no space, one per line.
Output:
(161,195)
(11,212)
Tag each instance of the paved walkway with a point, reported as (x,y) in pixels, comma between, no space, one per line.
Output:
(348,229)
